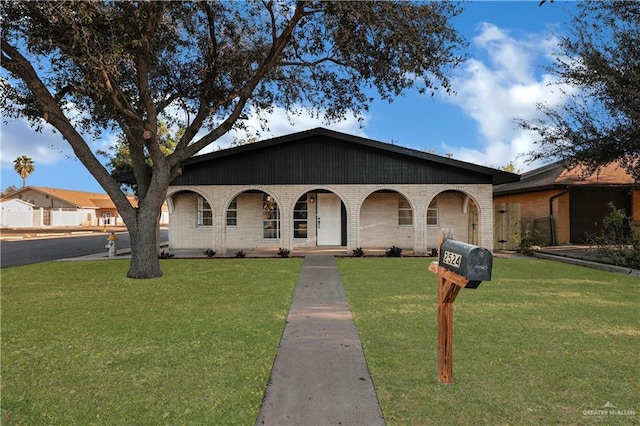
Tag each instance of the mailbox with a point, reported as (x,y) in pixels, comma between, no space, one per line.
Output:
(471,262)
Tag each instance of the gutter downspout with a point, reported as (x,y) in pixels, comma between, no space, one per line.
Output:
(551,221)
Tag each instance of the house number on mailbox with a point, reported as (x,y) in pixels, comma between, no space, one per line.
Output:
(453,259)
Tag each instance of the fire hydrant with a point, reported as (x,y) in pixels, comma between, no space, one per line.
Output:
(111,244)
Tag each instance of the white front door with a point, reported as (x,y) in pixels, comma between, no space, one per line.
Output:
(329,220)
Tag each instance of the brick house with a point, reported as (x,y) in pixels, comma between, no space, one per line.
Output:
(321,188)
(565,204)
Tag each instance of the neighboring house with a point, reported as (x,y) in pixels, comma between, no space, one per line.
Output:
(63,207)
(323,188)
(16,214)
(566,205)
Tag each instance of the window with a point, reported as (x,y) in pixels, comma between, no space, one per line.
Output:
(300,218)
(232,213)
(432,213)
(205,214)
(270,218)
(405,214)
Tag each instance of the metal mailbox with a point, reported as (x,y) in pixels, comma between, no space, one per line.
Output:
(471,262)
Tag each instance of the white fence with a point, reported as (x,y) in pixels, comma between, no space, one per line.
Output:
(63,217)
(13,219)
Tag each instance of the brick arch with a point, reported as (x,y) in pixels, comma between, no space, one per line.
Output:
(462,231)
(378,225)
(266,190)
(294,194)
(170,195)
(315,188)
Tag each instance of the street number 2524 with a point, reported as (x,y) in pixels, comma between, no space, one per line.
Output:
(453,259)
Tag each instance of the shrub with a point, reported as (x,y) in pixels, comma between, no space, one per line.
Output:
(394,252)
(241,254)
(528,240)
(358,252)
(614,244)
(209,253)
(434,252)
(165,255)
(283,252)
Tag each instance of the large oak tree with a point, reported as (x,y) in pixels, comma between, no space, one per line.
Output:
(91,67)
(601,57)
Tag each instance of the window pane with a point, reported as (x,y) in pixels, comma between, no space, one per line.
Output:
(300,218)
(432,213)
(232,218)
(232,213)
(405,214)
(205,214)
(270,218)
(300,231)
(405,217)
(207,218)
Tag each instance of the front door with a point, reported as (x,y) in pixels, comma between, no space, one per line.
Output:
(329,220)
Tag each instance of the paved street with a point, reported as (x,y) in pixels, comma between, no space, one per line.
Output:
(35,250)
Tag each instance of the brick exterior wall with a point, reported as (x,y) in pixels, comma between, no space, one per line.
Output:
(535,205)
(372,218)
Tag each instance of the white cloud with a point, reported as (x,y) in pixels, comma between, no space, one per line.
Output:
(18,138)
(504,87)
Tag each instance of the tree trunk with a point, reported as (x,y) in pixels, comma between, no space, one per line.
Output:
(144,243)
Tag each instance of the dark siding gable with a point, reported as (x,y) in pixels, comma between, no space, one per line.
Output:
(321,159)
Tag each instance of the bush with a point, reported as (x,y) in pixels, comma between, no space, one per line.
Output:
(283,252)
(165,255)
(614,244)
(358,252)
(209,253)
(528,240)
(394,252)
(241,254)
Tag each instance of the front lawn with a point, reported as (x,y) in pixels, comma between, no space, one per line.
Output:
(83,344)
(542,343)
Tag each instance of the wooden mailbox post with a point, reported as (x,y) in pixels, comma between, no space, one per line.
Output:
(459,265)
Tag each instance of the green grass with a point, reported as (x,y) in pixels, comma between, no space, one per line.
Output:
(82,344)
(539,344)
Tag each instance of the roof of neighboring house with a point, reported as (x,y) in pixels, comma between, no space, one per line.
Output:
(7,200)
(555,176)
(323,156)
(80,199)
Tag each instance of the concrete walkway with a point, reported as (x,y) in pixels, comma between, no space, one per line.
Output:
(320,376)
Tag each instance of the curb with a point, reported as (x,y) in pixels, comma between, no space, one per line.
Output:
(589,264)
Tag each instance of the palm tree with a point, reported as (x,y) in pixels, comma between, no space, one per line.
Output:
(24,166)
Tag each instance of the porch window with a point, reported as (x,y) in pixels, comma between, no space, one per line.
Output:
(205,214)
(300,218)
(270,218)
(405,214)
(432,213)
(232,213)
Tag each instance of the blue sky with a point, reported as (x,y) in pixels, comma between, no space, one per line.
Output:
(503,80)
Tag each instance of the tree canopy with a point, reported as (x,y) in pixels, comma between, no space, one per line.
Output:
(601,124)
(90,67)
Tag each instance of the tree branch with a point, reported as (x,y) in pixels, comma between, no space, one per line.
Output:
(244,94)
(17,64)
